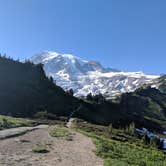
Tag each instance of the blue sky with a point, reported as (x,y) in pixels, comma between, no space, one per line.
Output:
(125,34)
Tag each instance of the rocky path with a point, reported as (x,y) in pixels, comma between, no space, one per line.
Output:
(17,151)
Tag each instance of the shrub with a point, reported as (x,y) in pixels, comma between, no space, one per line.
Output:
(6,123)
(40,149)
(155,142)
(145,138)
(130,129)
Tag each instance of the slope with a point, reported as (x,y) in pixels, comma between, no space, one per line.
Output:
(25,90)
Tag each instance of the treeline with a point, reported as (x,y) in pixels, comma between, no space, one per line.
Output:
(25,90)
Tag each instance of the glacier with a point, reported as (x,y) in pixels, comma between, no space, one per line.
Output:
(84,77)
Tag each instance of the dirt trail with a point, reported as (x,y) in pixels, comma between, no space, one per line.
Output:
(17,151)
(70,123)
(18,131)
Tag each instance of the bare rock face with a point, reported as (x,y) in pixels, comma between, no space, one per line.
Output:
(85,77)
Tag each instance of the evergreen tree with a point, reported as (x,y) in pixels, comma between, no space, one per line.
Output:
(89,97)
(70,92)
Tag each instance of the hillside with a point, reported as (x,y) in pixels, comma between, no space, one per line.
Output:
(25,90)
(145,106)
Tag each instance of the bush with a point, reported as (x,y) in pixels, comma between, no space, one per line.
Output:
(40,149)
(145,139)
(130,129)
(6,123)
(155,142)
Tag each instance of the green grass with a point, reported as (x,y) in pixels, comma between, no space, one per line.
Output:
(108,132)
(10,122)
(118,153)
(40,149)
(69,137)
(43,147)
(61,132)
(121,149)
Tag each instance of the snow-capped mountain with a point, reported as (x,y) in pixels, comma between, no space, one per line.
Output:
(85,77)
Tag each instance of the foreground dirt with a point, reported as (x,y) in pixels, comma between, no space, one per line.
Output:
(17,151)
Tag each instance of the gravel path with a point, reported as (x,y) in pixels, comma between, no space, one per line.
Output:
(18,131)
(17,151)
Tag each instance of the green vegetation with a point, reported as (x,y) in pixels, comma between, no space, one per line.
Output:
(61,132)
(118,148)
(25,90)
(43,147)
(10,122)
(69,137)
(146,107)
(40,149)
(116,152)
(130,129)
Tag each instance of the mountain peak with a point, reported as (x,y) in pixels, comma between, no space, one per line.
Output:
(65,60)
(49,55)
(86,77)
